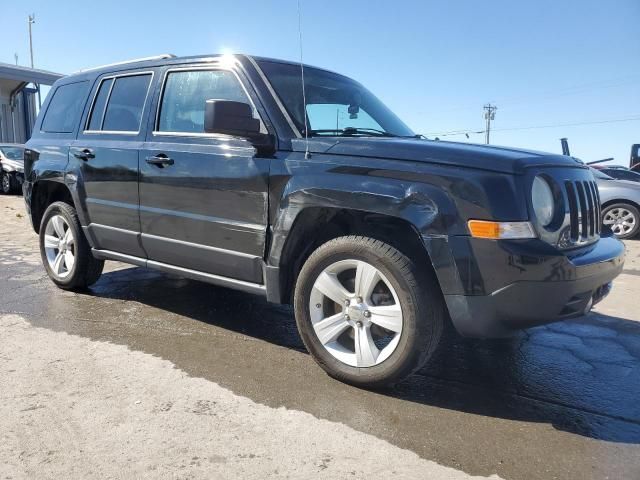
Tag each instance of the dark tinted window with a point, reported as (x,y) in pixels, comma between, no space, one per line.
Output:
(64,109)
(124,110)
(13,153)
(185,95)
(95,123)
(622,174)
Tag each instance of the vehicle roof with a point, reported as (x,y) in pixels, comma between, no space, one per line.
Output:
(169,59)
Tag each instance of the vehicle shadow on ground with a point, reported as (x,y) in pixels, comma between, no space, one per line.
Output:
(581,376)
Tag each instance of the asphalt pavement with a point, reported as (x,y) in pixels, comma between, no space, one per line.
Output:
(155,376)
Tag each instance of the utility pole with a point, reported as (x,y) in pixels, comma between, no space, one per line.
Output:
(489,114)
(32,20)
(15,55)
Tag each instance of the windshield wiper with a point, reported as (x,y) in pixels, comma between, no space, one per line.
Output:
(349,131)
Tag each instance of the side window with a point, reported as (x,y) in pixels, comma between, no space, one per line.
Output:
(65,107)
(119,104)
(185,94)
(97,114)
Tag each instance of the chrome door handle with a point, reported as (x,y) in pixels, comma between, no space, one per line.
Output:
(160,160)
(83,153)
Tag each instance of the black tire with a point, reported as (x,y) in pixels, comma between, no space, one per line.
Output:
(86,269)
(419,296)
(7,183)
(632,210)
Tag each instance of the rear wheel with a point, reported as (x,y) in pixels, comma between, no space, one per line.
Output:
(368,315)
(66,255)
(623,219)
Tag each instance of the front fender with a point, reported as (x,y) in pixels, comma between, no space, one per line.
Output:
(436,200)
(425,207)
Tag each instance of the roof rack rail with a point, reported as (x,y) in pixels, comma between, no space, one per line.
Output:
(135,60)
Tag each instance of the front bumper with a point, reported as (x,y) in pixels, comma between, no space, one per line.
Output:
(554,287)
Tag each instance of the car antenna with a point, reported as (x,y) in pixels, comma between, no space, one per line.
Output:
(307,155)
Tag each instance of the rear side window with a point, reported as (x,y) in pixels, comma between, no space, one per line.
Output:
(97,114)
(64,108)
(185,95)
(119,104)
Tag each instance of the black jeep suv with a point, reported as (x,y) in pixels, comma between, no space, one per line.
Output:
(224,169)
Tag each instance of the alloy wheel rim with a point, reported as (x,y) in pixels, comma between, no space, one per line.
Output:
(356,313)
(5,183)
(59,246)
(620,220)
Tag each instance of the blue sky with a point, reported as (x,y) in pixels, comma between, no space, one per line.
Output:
(435,63)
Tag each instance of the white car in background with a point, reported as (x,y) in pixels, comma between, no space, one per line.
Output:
(620,203)
(11,168)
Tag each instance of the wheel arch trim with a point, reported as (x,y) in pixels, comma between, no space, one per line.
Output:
(626,201)
(55,189)
(420,207)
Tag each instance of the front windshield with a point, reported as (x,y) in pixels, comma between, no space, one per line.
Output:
(13,153)
(336,105)
(600,175)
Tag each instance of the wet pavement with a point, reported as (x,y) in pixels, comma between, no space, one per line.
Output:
(560,401)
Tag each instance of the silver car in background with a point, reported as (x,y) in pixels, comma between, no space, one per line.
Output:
(620,201)
(11,168)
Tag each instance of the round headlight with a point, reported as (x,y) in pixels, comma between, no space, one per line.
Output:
(542,200)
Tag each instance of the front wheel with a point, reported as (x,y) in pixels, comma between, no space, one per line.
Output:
(623,219)
(65,252)
(368,315)
(7,183)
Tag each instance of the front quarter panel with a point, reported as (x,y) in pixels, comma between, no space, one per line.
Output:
(618,190)
(436,200)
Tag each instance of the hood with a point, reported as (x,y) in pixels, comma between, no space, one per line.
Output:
(498,159)
(11,165)
(620,190)
(627,183)
(613,182)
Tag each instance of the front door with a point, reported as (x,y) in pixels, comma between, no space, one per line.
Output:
(106,155)
(203,198)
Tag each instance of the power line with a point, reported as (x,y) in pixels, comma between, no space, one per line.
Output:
(557,93)
(629,119)
(574,89)
(532,127)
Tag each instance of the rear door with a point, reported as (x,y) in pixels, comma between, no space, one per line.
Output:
(106,155)
(203,197)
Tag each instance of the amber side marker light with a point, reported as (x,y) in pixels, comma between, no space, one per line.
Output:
(501,230)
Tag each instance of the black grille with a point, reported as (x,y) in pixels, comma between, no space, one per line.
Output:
(584,210)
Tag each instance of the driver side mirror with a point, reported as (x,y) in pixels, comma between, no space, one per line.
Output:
(236,118)
(231,118)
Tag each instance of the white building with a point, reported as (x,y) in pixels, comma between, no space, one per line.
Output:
(18,100)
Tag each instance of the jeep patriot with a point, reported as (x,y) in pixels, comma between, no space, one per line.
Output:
(219,169)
